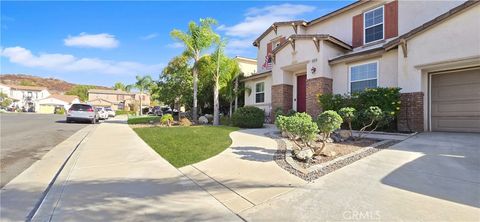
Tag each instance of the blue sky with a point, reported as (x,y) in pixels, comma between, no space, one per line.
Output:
(105,42)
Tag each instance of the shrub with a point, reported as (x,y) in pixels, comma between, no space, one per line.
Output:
(124,112)
(184,122)
(248,117)
(281,122)
(60,111)
(143,120)
(348,114)
(225,120)
(279,112)
(167,119)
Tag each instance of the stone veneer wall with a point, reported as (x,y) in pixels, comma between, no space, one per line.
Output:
(282,96)
(315,87)
(411,109)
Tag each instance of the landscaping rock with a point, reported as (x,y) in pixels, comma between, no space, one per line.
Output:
(209,117)
(336,138)
(344,134)
(305,154)
(202,120)
(284,134)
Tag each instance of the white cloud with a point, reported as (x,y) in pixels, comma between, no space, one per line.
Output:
(175,45)
(149,36)
(257,20)
(102,40)
(70,63)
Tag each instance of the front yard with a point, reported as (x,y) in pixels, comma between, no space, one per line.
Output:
(183,146)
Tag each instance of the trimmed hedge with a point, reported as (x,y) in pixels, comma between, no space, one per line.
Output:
(143,119)
(124,112)
(248,117)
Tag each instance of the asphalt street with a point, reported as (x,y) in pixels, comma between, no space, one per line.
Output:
(25,138)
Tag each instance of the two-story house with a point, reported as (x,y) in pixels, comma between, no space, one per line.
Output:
(430,49)
(117,99)
(25,97)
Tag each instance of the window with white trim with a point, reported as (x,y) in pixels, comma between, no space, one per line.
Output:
(373,25)
(260,92)
(363,76)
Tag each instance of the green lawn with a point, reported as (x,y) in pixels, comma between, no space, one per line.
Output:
(183,146)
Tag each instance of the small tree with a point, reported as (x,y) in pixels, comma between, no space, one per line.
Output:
(327,122)
(372,114)
(348,115)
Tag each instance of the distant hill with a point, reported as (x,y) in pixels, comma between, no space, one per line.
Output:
(53,85)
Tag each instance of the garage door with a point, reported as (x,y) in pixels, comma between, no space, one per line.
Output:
(46,109)
(455,98)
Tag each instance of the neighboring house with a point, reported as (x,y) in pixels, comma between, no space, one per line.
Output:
(117,99)
(49,104)
(430,49)
(25,97)
(247,66)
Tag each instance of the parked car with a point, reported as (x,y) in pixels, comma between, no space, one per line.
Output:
(79,112)
(110,112)
(157,111)
(102,113)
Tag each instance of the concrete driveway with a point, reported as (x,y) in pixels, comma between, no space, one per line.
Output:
(431,176)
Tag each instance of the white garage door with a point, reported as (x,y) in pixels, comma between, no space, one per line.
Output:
(455,98)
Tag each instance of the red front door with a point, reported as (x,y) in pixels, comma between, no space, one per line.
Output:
(301,93)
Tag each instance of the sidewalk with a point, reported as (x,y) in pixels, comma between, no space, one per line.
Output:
(115,176)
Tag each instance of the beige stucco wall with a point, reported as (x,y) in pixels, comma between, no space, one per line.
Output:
(412,14)
(387,75)
(452,40)
(250,99)
(246,67)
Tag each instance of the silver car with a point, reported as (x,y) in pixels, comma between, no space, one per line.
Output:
(79,112)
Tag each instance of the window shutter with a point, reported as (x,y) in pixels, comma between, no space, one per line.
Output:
(357,30)
(391,19)
(269,48)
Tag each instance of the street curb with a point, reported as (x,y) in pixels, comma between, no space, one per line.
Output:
(23,195)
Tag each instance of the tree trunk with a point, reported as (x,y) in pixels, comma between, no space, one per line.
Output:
(230,111)
(195,89)
(236,94)
(141,110)
(216,104)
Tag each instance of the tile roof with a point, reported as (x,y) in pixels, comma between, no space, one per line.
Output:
(110,91)
(65,98)
(32,88)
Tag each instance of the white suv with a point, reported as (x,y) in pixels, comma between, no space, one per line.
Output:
(79,112)
(102,113)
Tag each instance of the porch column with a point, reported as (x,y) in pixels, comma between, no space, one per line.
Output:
(315,87)
(282,96)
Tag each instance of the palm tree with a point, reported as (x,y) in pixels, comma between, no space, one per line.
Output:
(119,86)
(231,89)
(195,40)
(143,83)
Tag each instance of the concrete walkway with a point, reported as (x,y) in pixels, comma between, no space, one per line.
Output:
(428,177)
(115,176)
(245,174)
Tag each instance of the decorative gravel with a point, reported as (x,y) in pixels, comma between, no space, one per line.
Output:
(315,171)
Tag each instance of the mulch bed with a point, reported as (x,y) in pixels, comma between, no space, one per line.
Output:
(347,153)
